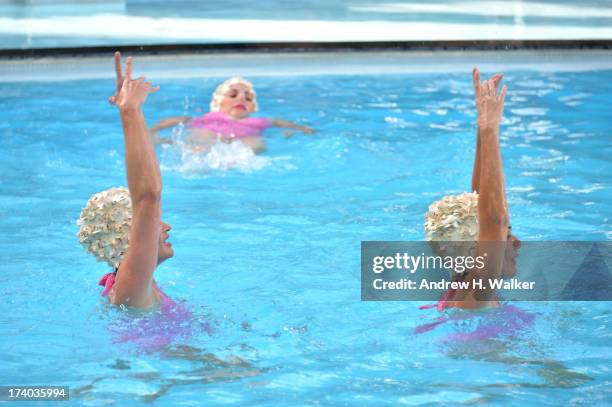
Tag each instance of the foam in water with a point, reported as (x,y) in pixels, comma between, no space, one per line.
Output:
(180,157)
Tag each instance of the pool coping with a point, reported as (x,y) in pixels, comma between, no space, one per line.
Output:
(305,62)
(310,47)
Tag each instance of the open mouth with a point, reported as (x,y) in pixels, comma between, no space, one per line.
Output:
(165,243)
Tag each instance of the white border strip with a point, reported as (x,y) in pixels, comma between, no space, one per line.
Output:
(113,27)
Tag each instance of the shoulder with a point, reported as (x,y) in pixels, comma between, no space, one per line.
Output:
(155,297)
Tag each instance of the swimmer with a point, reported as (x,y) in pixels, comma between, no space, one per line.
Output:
(479,220)
(123,227)
(228,120)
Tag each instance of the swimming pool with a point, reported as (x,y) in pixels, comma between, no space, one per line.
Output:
(267,253)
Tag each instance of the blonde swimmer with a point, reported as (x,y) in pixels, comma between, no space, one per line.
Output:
(229,119)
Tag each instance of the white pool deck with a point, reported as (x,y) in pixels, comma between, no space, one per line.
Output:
(106,22)
(307,63)
(113,27)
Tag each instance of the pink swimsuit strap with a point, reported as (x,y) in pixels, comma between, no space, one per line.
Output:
(108,281)
(443,302)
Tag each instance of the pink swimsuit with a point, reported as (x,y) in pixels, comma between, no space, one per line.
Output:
(155,330)
(507,320)
(225,126)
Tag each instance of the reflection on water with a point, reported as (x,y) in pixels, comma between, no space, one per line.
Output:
(504,339)
(549,373)
(148,385)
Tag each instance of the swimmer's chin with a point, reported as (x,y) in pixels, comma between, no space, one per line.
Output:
(165,252)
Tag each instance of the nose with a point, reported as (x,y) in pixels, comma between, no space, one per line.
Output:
(517,243)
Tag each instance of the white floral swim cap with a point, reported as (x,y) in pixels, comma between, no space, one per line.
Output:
(451,225)
(453,218)
(104,225)
(215,103)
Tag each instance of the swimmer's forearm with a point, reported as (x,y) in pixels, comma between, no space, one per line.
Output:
(476,171)
(170,122)
(492,209)
(156,140)
(289,125)
(144,179)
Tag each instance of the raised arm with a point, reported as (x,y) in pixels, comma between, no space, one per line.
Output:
(492,207)
(134,284)
(477,159)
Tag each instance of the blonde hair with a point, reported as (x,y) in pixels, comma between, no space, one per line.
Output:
(104,225)
(219,93)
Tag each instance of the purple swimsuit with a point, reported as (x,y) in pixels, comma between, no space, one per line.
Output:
(504,321)
(155,330)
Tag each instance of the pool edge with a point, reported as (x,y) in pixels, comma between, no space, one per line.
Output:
(311,47)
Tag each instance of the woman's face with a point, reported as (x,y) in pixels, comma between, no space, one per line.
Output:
(238,102)
(165,248)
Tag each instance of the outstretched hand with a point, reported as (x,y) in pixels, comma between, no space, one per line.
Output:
(307,130)
(495,79)
(129,93)
(490,105)
(489,102)
(119,79)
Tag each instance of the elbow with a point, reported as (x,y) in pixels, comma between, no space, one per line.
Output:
(150,195)
(498,219)
(493,227)
(493,217)
(492,212)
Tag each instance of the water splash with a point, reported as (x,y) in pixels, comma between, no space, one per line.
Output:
(181,157)
(235,155)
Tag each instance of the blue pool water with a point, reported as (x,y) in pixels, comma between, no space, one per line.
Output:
(267,252)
